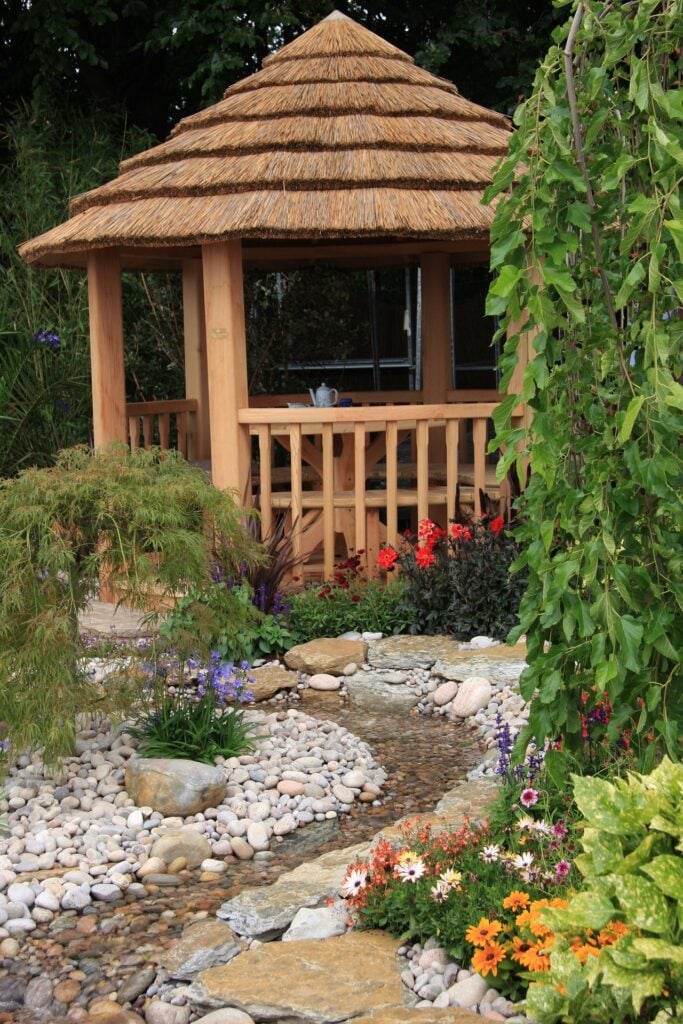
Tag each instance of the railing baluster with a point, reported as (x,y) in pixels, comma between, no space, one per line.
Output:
(328,500)
(359,473)
(422,443)
(265,458)
(451,467)
(479,441)
(164,430)
(134,432)
(148,430)
(181,431)
(392,482)
(297,502)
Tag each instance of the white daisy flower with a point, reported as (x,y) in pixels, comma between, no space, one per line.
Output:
(354,882)
(523,861)
(410,872)
(525,823)
(490,853)
(440,891)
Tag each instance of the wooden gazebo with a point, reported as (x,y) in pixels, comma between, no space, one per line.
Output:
(340,150)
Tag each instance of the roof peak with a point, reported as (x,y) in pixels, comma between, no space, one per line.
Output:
(337,16)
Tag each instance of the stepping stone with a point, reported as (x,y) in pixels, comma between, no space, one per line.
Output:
(266,911)
(309,982)
(202,945)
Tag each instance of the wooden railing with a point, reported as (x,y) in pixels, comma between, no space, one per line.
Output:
(351,471)
(166,424)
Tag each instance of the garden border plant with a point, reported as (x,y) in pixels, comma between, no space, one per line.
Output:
(152,521)
(587,241)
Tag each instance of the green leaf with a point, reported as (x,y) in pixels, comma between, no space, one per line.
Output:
(666,871)
(658,949)
(642,903)
(629,632)
(639,983)
(630,416)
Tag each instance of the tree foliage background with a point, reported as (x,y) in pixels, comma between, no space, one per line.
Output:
(88,82)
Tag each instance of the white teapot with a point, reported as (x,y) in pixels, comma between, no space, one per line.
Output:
(324,396)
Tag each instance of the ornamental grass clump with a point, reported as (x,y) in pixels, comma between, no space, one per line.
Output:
(458,581)
(202,722)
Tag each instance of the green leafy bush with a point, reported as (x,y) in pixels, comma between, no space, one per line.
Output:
(224,618)
(349,602)
(459,583)
(587,244)
(203,724)
(632,863)
(153,523)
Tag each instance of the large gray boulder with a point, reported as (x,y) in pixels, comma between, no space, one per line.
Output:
(174,787)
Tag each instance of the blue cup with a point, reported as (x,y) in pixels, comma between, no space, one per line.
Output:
(344,403)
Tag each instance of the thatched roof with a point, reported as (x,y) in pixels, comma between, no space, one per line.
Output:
(340,136)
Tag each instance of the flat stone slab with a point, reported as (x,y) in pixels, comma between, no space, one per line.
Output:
(267,911)
(401,1015)
(499,664)
(269,679)
(370,690)
(328,655)
(467,801)
(310,982)
(113,620)
(406,652)
(202,945)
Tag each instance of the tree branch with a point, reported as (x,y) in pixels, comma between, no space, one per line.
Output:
(581,159)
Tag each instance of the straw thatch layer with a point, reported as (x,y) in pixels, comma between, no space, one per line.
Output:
(340,136)
(331,214)
(335,134)
(340,69)
(295,171)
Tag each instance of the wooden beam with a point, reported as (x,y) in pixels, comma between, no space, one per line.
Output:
(226,358)
(110,419)
(196,375)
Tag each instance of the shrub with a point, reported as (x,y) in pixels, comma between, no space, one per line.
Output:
(632,863)
(460,582)
(349,602)
(224,618)
(199,725)
(150,521)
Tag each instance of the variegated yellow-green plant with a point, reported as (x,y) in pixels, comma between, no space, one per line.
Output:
(632,863)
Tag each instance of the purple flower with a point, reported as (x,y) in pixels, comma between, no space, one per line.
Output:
(562,869)
(48,338)
(529,797)
(559,830)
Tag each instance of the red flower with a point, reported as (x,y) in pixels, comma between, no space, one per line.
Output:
(386,558)
(424,557)
(497,524)
(426,528)
(461,532)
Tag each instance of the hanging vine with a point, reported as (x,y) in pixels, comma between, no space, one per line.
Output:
(588,245)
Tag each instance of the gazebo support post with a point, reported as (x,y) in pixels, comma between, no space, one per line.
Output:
(106,348)
(196,376)
(436,347)
(226,361)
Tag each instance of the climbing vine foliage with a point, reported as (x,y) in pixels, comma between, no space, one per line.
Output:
(587,243)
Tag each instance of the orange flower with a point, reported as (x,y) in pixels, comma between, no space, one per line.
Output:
(520,947)
(583,950)
(486,960)
(483,933)
(536,957)
(517,900)
(612,932)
